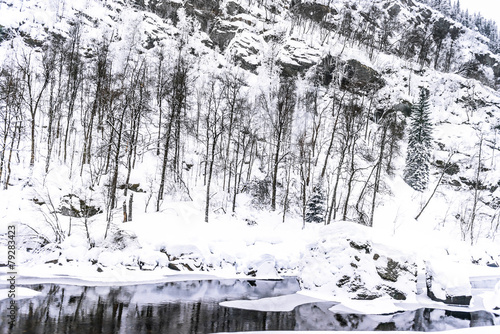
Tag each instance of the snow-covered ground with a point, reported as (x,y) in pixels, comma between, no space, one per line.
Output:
(229,248)
(176,244)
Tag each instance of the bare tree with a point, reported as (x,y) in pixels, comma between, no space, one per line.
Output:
(176,96)
(10,114)
(35,83)
(380,160)
(476,191)
(232,84)
(56,96)
(280,117)
(215,128)
(102,97)
(74,72)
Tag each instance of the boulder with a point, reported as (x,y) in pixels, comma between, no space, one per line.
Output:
(361,246)
(404,107)
(389,271)
(73,206)
(450,168)
(264,267)
(222,33)
(394,10)
(297,57)
(346,262)
(482,318)
(446,282)
(233,8)
(491,61)
(351,74)
(392,272)
(173,266)
(136,187)
(313,11)
(208,5)
(245,49)
(358,76)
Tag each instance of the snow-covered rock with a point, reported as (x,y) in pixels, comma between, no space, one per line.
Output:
(73,206)
(447,282)
(489,300)
(346,262)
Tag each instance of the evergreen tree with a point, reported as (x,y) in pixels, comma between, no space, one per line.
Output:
(316,206)
(416,172)
(456,12)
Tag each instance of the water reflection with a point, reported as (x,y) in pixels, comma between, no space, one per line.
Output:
(317,316)
(193,307)
(175,307)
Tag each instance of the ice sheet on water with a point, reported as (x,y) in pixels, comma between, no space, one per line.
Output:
(20,293)
(273,304)
(377,306)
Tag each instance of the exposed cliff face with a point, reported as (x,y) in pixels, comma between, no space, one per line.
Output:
(406,29)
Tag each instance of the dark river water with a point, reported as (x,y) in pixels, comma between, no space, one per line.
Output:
(193,307)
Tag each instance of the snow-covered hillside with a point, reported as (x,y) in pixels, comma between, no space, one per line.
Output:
(248,138)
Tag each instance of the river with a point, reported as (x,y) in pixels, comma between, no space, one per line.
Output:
(193,307)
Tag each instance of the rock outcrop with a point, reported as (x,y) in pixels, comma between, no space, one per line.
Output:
(447,283)
(73,206)
(341,265)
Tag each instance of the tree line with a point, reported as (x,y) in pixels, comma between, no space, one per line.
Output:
(474,21)
(297,145)
(293,144)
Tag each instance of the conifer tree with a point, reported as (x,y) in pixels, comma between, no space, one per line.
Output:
(416,173)
(316,206)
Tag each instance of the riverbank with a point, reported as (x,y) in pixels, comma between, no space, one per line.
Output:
(319,256)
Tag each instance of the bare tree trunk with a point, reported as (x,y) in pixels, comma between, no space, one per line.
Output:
(377,174)
(363,190)
(159,99)
(54,110)
(275,172)
(235,182)
(352,171)
(125,219)
(17,131)
(34,98)
(287,192)
(284,113)
(333,204)
(130,201)
(114,180)
(476,192)
(209,180)
(7,124)
(164,166)
(435,188)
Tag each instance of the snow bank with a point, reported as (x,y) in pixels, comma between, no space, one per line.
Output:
(273,304)
(447,282)
(489,300)
(378,306)
(345,261)
(21,293)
